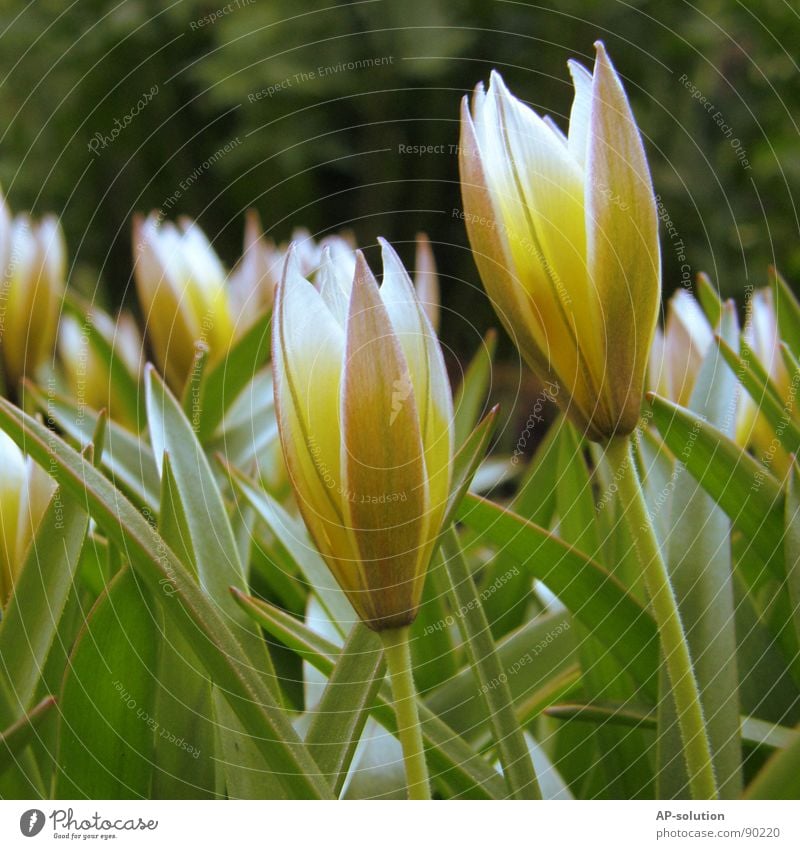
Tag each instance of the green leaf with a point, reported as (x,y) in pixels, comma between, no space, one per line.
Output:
(182,708)
(538,659)
(210,545)
(741,486)
(339,718)
(292,535)
(791,544)
(780,777)
(593,596)
(755,732)
(709,298)
(452,761)
(223,382)
(168,579)
(470,399)
(127,460)
(535,499)
(106,705)
(787,311)
(761,388)
(16,737)
(626,773)
(30,623)
(698,554)
(433,652)
(492,678)
(466,462)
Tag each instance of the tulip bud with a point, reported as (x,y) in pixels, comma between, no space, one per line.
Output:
(86,372)
(426,280)
(25,491)
(180,282)
(564,231)
(365,419)
(761,334)
(679,351)
(33,268)
(254,279)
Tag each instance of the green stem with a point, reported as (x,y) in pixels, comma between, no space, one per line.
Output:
(398,660)
(674,647)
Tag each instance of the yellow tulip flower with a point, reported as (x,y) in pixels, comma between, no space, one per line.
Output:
(180,282)
(32,280)
(25,491)
(752,428)
(564,231)
(87,373)
(679,351)
(365,419)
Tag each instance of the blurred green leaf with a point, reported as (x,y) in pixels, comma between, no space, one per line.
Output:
(31,620)
(106,704)
(16,737)
(512,751)
(791,544)
(593,595)
(470,399)
(168,579)
(451,760)
(338,720)
(780,778)
(699,561)
(210,545)
(744,489)
(223,382)
(128,461)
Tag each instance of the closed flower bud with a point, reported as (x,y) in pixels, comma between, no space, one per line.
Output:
(25,491)
(564,231)
(761,334)
(364,413)
(426,281)
(679,351)
(33,271)
(256,275)
(86,372)
(180,282)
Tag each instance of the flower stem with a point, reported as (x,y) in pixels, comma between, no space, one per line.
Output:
(674,647)
(398,660)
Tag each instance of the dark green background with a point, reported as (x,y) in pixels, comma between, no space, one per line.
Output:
(324,153)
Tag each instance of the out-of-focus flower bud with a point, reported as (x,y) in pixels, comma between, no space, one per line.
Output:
(364,413)
(253,281)
(564,231)
(32,281)
(180,282)
(679,351)
(25,491)
(86,371)
(761,334)
(426,280)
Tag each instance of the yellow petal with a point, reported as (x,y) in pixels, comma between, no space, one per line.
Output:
(308,355)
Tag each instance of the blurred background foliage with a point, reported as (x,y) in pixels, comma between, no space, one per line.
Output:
(325,151)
